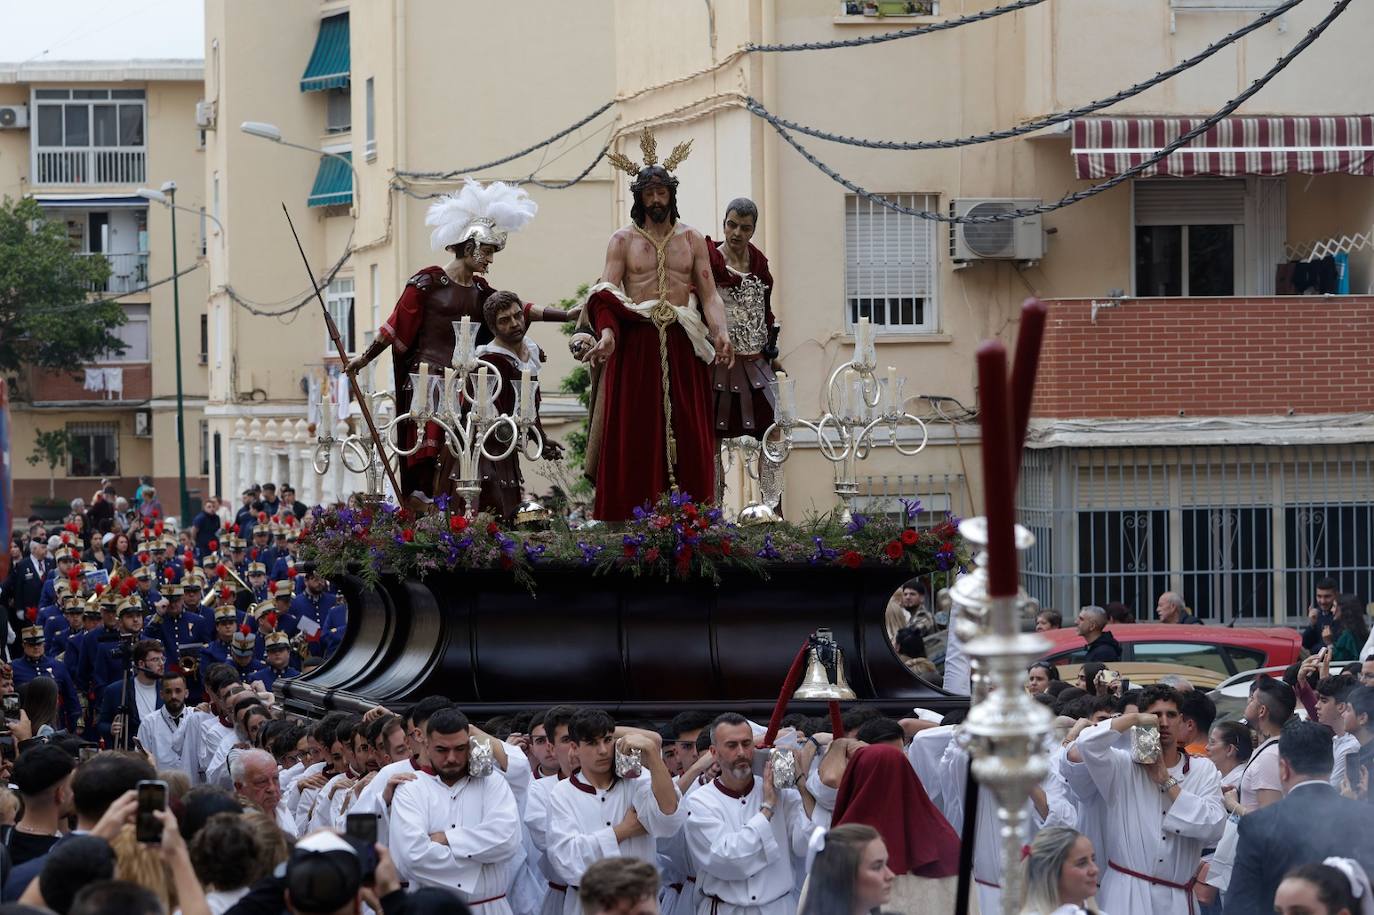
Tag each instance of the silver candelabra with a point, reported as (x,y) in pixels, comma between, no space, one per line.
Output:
(856,404)
(1005,729)
(462,404)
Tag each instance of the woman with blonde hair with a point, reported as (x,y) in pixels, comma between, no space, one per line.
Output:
(143,864)
(1060,874)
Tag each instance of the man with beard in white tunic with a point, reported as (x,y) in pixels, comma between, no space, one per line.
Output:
(1159,816)
(453,829)
(596,814)
(171,735)
(742,831)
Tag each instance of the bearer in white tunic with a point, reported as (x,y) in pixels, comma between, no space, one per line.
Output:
(452,829)
(1048,805)
(171,735)
(742,832)
(1159,817)
(594,814)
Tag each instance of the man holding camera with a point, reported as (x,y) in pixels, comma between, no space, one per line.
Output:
(125,703)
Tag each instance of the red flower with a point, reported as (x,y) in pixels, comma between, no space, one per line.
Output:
(703,524)
(689,510)
(909,537)
(457,524)
(156,512)
(947,547)
(506,561)
(403,514)
(651,554)
(893,550)
(493,529)
(725,546)
(630,551)
(407,535)
(850,559)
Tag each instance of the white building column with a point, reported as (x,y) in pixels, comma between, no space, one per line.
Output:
(254,451)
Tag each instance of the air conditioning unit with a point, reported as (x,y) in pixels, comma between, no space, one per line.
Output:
(205,115)
(14,117)
(143,423)
(1008,239)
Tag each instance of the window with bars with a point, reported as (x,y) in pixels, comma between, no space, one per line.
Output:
(94,450)
(135,333)
(339,299)
(890,264)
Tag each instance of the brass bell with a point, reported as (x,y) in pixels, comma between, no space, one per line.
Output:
(817,682)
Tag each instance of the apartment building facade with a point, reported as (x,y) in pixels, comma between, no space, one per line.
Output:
(81,138)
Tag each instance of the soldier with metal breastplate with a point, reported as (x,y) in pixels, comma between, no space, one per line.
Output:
(472,225)
(744,407)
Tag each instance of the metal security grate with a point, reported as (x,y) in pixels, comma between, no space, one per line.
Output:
(890,263)
(1241,531)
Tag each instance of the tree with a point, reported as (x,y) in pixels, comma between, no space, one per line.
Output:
(578,382)
(47,320)
(51,447)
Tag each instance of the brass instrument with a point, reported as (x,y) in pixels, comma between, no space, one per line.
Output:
(212,593)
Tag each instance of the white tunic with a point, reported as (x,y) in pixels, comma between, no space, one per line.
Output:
(477,816)
(987,834)
(299,801)
(1145,833)
(744,859)
(174,745)
(924,754)
(582,821)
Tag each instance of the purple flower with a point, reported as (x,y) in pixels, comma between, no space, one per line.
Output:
(388,508)
(768,551)
(399,539)
(640,512)
(909,509)
(534,552)
(943,561)
(713,515)
(822,553)
(588,552)
(442,502)
(857,522)
(633,540)
(678,499)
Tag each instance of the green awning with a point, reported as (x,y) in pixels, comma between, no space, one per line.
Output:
(329,63)
(333,183)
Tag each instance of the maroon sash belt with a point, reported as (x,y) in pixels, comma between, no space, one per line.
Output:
(1187,888)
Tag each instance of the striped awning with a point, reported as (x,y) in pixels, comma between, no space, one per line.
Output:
(1104,147)
(331,59)
(333,183)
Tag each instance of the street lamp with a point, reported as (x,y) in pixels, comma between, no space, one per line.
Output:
(272,132)
(148,193)
(168,196)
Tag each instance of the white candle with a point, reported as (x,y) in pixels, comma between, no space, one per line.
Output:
(787,397)
(891,399)
(465,341)
(847,393)
(449,375)
(483,392)
(527,392)
(421,395)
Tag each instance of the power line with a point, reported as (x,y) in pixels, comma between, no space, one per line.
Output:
(897,35)
(513,156)
(252,308)
(1042,122)
(1069,199)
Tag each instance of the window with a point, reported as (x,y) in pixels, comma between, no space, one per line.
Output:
(339,298)
(1189,238)
(1243,659)
(204,339)
(873,8)
(1226,561)
(95,450)
(370,100)
(338,112)
(135,334)
(1122,556)
(1189,654)
(889,273)
(205,447)
(89,135)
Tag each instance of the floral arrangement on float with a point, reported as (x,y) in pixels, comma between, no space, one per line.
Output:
(674,539)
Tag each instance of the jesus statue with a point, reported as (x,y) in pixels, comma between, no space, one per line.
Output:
(652,327)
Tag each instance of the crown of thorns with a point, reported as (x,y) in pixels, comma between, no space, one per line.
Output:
(648,146)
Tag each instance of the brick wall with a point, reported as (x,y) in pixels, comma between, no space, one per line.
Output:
(1207,357)
(58,386)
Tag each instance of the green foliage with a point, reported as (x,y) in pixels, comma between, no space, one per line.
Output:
(51,447)
(46,319)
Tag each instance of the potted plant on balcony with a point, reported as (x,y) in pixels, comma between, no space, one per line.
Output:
(50,447)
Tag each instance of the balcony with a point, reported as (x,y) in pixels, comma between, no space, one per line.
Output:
(100,165)
(128,272)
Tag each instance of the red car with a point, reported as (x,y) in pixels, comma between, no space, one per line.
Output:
(1227,651)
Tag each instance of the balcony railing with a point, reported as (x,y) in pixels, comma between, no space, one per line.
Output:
(128,272)
(103,165)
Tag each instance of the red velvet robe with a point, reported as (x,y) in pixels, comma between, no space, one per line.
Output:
(632,468)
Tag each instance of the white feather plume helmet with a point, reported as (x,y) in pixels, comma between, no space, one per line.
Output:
(482,212)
